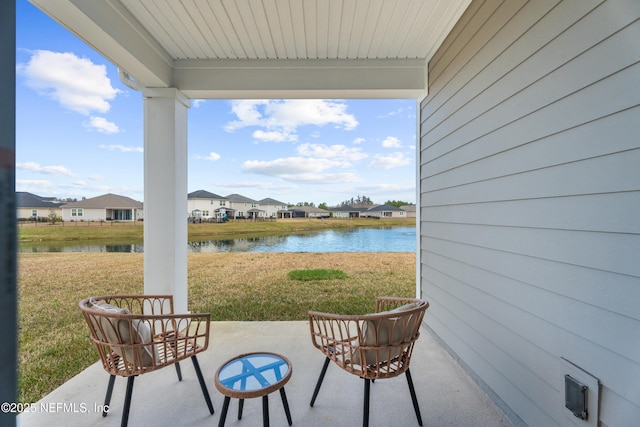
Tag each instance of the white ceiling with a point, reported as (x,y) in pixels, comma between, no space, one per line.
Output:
(266,48)
(295,29)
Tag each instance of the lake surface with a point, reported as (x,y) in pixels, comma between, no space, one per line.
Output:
(389,239)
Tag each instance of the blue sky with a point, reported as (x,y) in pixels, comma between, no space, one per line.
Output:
(79,133)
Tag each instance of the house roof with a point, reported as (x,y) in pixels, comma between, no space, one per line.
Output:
(408,208)
(308,209)
(239,198)
(203,194)
(270,201)
(349,209)
(385,208)
(30,200)
(106,201)
(279,49)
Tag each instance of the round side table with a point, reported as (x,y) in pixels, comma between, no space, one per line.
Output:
(253,375)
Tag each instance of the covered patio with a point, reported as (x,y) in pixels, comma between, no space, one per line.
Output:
(527,177)
(447,395)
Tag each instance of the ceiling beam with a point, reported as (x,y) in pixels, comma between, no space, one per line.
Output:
(110,29)
(310,78)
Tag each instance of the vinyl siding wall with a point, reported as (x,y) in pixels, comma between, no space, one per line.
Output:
(530,201)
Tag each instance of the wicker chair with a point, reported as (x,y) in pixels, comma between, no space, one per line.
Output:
(138,334)
(372,346)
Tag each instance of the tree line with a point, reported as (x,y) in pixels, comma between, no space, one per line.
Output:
(354,202)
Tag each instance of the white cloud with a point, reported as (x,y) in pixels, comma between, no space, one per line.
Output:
(49,170)
(391,142)
(82,185)
(380,192)
(76,83)
(97,177)
(102,125)
(211,156)
(274,136)
(288,166)
(359,140)
(285,116)
(122,148)
(247,113)
(387,188)
(302,169)
(263,185)
(327,178)
(392,113)
(25,184)
(391,161)
(331,151)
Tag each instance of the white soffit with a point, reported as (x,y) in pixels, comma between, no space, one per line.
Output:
(267,48)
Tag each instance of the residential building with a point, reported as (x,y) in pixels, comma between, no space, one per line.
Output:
(347,212)
(202,204)
(108,207)
(271,207)
(244,207)
(384,211)
(410,210)
(307,212)
(33,207)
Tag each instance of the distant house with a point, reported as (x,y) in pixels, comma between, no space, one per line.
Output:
(307,212)
(347,212)
(410,210)
(271,207)
(32,206)
(206,205)
(242,205)
(385,211)
(108,207)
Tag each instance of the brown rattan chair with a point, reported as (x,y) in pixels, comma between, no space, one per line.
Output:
(138,334)
(371,346)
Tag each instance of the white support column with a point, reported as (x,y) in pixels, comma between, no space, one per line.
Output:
(165,194)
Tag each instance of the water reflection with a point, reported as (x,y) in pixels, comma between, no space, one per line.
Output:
(389,239)
(133,248)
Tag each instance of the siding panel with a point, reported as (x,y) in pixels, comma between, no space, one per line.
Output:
(599,212)
(613,252)
(610,134)
(610,291)
(606,174)
(530,194)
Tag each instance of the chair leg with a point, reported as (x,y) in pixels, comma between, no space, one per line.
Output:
(178,371)
(365,417)
(414,399)
(107,398)
(319,383)
(127,402)
(203,385)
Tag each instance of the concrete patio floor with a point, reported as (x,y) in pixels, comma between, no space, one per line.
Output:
(446,394)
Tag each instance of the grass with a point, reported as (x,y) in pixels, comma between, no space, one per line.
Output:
(53,339)
(316,274)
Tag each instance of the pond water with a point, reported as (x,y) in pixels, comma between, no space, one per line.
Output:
(388,239)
